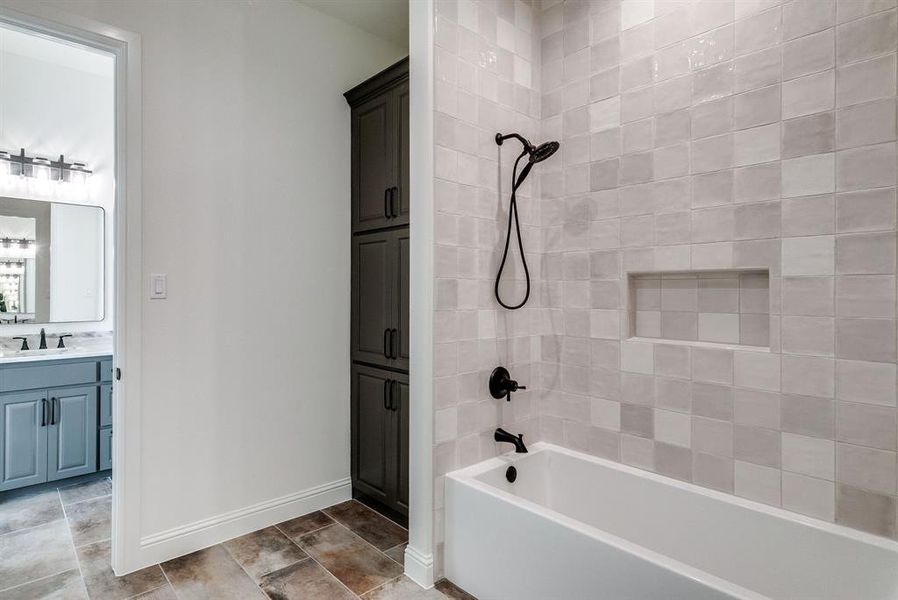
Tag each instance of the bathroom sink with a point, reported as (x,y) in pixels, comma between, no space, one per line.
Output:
(45,352)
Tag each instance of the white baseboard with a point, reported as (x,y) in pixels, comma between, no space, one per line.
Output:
(182,540)
(419,567)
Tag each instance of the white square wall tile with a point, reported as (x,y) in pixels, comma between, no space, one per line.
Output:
(758,483)
(635,12)
(809,456)
(809,175)
(808,256)
(718,327)
(605,414)
(757,370)
(809,496)
(637,357)
(673,428)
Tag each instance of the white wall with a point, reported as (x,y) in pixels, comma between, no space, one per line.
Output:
(245,179)
(58,99)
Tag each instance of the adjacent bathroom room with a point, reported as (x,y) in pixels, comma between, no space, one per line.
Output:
(395,299)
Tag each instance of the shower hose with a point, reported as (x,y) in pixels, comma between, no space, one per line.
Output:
(513,215)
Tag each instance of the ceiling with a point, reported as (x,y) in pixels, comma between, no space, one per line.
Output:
(387,19)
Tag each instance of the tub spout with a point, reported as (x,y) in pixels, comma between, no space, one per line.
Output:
(518,440)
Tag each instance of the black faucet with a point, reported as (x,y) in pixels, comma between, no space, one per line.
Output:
(24,342)
(502,385)
(518,440)
(43,344)
(62,337)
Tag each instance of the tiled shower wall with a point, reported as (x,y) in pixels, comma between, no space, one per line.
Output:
(486,81)
(714,135)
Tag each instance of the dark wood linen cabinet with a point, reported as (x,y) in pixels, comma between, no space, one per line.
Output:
(380,290)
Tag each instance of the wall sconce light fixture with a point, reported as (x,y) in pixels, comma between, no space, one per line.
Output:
(42,168)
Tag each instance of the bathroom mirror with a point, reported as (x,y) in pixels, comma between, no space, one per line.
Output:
(52,262)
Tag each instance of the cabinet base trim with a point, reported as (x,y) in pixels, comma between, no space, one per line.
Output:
(419,567)
(178,541)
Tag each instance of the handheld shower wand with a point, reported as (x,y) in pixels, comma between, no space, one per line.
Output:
(536,154)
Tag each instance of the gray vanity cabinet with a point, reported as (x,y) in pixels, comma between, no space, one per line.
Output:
(55,420)
(23,453)
(72,432)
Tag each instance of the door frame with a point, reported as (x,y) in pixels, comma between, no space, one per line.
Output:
(125,46)
(419,554)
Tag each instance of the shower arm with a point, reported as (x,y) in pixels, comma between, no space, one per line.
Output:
(528,147)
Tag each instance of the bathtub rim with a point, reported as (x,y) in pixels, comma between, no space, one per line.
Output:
(467,476)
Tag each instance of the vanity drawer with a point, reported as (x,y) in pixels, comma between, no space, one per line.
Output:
(43,375)
(105,449)
(106,370)
(105,405)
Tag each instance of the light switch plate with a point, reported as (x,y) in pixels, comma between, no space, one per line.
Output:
(158,287)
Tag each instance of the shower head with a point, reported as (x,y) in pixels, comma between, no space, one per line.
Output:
(543,151)
(536,153)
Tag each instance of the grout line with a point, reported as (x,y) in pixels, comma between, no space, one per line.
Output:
(384,584)
(72,542)
(18,585)
(82,501)
(337,579)
(147,591)
(164,574)
(30,527)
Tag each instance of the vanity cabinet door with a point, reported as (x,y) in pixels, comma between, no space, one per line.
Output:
(372,258)
(72,432)
(370,425)
(372,164)
(400,258)
(23,451)
(400,98)
(106,405)
(105,449)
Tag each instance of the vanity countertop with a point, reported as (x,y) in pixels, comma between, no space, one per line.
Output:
(80,346)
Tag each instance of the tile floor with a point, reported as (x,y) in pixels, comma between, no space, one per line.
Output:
(54,543)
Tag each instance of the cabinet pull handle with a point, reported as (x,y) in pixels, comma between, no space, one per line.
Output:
(52,411)
(394,195)
(387,343)
(393,406)
(43,412)
(387,194)
(386,394)
(394,333)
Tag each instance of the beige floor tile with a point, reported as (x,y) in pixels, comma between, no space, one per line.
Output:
(360,567)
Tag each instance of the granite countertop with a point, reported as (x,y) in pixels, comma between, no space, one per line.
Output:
(81,345)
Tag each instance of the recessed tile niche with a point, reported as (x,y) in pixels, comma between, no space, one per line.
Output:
(723,307)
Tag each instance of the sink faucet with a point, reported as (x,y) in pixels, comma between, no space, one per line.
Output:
(518,440)
(43,344)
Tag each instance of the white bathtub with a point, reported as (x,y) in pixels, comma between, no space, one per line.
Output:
(574,526)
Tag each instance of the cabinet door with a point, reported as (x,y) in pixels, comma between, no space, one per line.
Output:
(23,451)
(105,449)
(371,297)
(106,405)
(399,299)
(370,431)
(399,404)
(400,153)
(72,432)
(372,164)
